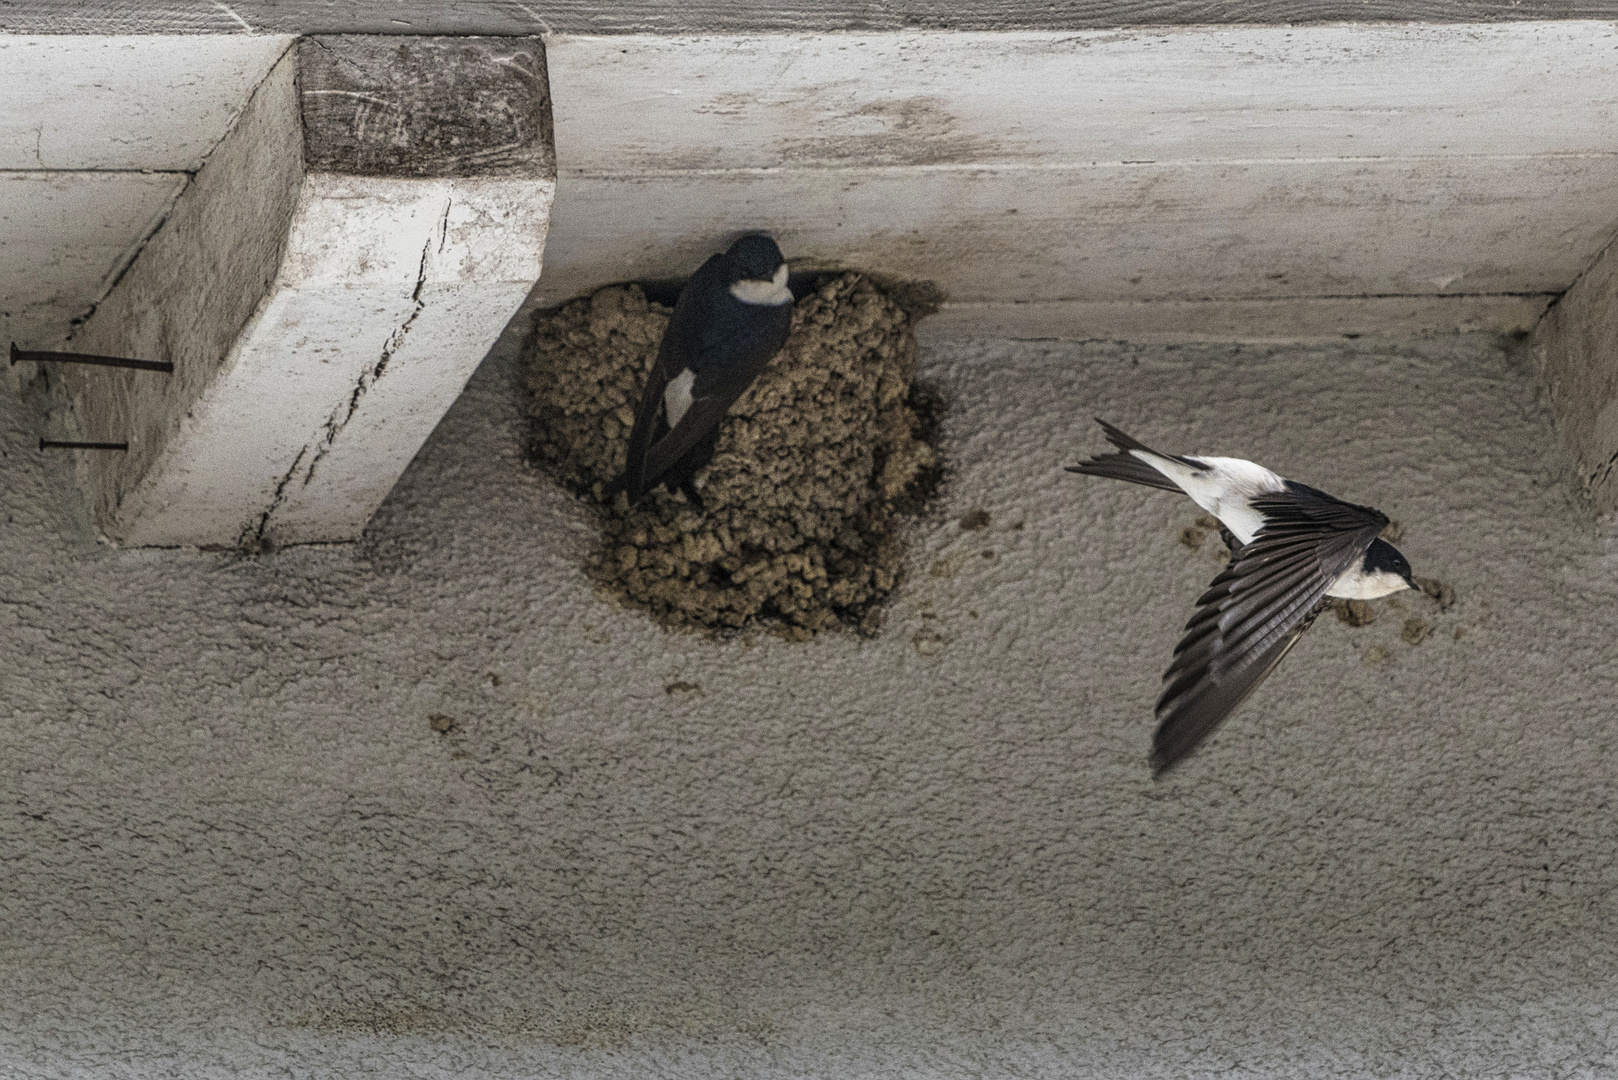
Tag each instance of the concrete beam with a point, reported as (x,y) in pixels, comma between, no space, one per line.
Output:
(98,137)
(325,286)
(736,16)
(1189,184)
(153,103)
(1577,346)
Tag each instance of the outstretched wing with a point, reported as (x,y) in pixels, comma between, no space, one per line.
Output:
(1256,610)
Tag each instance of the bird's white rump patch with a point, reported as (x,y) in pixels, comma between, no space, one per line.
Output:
(771,293)
(677,397)
(1225,488)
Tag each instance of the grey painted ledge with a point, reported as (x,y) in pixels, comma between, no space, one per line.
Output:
(658,16)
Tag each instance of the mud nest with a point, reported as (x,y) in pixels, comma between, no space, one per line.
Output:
(815,463)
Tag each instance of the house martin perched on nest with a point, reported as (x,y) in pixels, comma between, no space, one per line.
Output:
(731,318)
(1292,548)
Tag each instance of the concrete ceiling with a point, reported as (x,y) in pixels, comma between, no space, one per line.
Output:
(426,807)
(1248,166)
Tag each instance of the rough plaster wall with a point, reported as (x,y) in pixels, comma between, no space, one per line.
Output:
(236,846)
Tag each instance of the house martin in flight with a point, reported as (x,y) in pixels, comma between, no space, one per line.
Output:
(1292,547)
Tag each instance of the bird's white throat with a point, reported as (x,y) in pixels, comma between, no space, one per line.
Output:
(677,397)
(1358,583)
(769,293)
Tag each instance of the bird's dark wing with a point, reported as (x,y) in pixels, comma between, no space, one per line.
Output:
(743,351)
(1255,611)
(673,356)
(697,424)
(647,416)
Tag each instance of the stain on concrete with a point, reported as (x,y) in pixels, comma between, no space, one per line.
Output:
(928,642)
(1195,533)
(1437,591)
(908,131)
(973,520)
(1353,612)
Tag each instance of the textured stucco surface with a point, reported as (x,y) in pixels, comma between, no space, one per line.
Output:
(236,846)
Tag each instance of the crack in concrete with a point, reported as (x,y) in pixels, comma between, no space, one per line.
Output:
(1602,472)
(334,425)
(314,40)
(226,8)
(257,535)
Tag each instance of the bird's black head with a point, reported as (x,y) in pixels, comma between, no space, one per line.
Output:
(1383,557)
(754,257)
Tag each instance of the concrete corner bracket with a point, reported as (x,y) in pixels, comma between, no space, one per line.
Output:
(324,287)
(1577,345)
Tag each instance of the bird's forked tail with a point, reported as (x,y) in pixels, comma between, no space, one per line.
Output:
(1124,465)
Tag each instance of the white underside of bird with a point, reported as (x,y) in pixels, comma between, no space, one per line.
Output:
(1226,488)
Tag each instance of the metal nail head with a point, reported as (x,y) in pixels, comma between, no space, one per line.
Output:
(39,357)
(67,444)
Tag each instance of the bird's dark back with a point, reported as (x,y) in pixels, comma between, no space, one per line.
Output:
(713,330)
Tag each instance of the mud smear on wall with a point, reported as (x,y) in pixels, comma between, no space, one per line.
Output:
(816,464)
